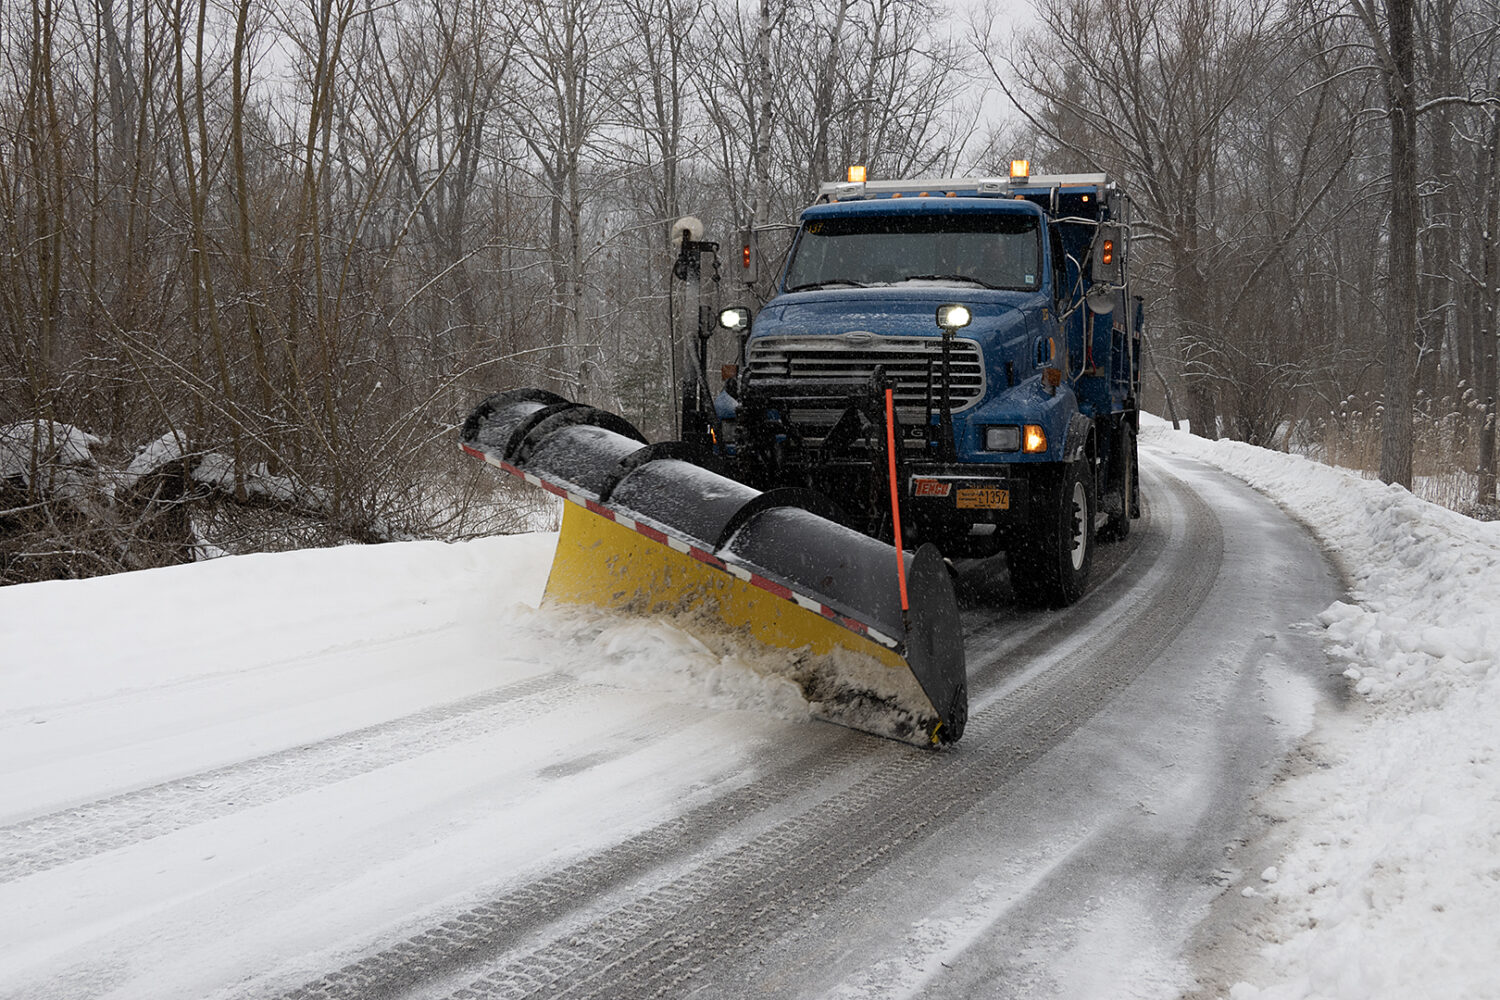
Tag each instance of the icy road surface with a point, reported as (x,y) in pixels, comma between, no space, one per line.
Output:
(379,772)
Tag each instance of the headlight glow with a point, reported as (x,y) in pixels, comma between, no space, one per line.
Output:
(953,315)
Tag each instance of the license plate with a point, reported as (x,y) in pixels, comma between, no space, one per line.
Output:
(982,498)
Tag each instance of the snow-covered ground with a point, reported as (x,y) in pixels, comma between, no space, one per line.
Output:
(178,741)
(245,771)
(1390,877)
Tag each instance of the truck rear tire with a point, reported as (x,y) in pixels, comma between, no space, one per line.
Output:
(1050,565)
(1122,504)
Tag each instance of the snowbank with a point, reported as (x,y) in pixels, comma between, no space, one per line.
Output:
(62,454)
(63,444)
(69,639)
(153,455)
(1388,886)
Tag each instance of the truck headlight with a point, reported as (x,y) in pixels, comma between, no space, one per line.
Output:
(953,316)
(1005,437)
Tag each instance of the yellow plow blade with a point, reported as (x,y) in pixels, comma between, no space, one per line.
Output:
(647,533)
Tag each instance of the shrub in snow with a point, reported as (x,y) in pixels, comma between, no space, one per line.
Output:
(63,514)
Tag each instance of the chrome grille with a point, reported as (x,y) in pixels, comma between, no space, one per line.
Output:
(832,359)
(840,362)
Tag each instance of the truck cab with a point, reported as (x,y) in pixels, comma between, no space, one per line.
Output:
(1009,344)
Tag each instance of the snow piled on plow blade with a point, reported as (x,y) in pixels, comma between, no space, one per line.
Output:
(750,574)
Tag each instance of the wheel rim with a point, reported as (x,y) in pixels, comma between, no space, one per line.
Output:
(1080,535)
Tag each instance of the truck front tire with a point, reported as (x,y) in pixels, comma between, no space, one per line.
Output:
(1050,563)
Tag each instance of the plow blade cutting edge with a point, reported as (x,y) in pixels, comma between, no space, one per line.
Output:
(647,532)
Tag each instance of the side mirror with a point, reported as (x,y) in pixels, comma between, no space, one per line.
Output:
(1107,255)
(749,256)
(1106,270)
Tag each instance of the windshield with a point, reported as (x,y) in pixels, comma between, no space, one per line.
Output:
(993,249)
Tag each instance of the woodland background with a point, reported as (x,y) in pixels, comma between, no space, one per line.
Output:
(258,257)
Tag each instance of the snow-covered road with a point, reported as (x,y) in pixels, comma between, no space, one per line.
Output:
(371,772)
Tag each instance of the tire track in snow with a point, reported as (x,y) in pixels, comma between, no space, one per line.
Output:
(72,834)
(1001,631)
(1015,656)
(466,939)
(1010,637)
(741,892)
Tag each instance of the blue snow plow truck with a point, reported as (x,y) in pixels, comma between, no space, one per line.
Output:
(998,314)
(948,368)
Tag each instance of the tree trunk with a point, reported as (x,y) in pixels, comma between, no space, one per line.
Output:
(1401,311)
(1194,335)
(763,122)
(1489,321)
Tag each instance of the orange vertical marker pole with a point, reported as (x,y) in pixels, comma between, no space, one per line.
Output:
(890,451)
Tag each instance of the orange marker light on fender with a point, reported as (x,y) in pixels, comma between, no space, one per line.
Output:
(1033,439)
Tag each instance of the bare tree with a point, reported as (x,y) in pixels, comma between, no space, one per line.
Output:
(1158,92)
(1391,34)
(568,78)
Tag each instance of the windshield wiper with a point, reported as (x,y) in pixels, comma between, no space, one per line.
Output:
(811,285)
(949,277)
